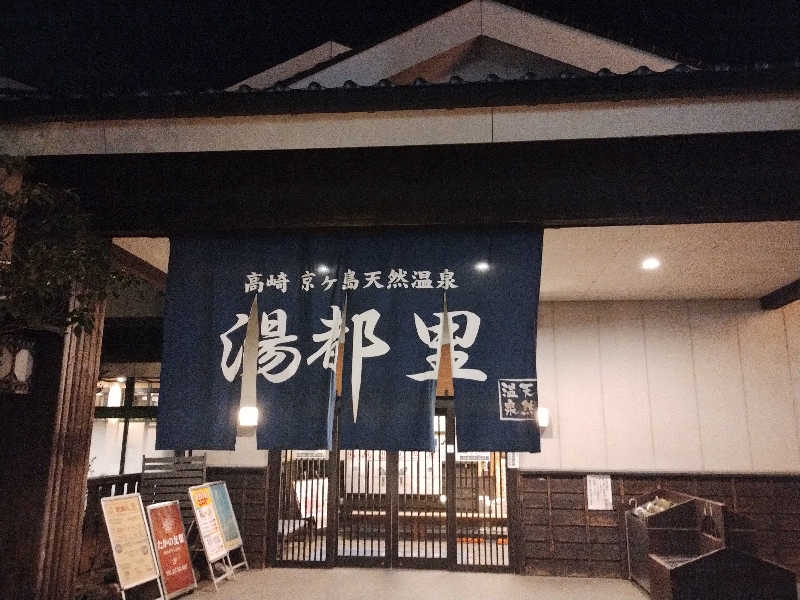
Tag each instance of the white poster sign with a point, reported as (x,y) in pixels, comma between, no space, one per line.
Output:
(598,492)
(207,523)
(131,546)
(312,497)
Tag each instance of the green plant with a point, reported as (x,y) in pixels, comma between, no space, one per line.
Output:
(51,254)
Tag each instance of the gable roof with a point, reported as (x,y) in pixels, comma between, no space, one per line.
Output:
(480,18)
(300,63)
(6,83)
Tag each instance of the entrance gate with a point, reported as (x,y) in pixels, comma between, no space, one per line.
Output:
(416,509)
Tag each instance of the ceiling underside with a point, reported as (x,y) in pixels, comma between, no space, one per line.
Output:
(710,260)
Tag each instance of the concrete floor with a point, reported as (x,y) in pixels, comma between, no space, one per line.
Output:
(400,584)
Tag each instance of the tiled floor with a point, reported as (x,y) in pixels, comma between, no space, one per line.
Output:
(399,584)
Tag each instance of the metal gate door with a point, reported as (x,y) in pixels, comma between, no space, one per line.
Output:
(420,512)
(364,508)
(302,508)
(437,509)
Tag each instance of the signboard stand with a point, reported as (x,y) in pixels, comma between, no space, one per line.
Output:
(172,550)
(210,533)
(131,545)
(226,518)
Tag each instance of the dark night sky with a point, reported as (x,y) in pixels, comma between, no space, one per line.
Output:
(97,45)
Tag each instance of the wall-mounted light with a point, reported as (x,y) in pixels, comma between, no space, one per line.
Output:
(322,269)
(650,263)
(543,417)
(482,266)
(248,416)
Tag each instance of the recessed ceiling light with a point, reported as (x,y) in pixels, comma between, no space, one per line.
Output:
(322,269)
(482,266)
(650,263)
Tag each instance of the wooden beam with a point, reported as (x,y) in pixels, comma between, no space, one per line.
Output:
(782,296)
(576,183)
(141,268)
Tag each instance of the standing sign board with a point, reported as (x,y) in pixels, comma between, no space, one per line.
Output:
(169,539)
(226,518)
(131,546)
(210,532)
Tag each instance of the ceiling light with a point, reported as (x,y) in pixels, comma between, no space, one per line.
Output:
(121,379)
(650,263)
(482,266)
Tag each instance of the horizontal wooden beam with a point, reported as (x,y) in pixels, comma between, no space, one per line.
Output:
(782,296)
(634,181)
(140,268)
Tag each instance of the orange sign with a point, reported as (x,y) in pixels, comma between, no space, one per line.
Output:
(207,524)
(172,550)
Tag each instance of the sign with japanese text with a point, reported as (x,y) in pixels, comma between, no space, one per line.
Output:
(172,550)
(225,515)
(389,301)
(206,518)
(130,540)
(598,492)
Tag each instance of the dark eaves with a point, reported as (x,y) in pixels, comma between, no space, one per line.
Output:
(642,83)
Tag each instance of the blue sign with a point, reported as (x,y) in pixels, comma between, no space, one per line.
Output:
(225,514)
(379,295)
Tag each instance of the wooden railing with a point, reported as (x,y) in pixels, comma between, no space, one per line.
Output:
(95,550)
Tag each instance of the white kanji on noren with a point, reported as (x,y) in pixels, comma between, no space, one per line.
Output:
(517,399)
(231,369)
(508,390)
(349,282)
(329,340)
(446,280)
(254,283)
(305,281)
(364,329)
(328,283)
(279,283)
(421,280)
(271,353)
(373,279)
(431,336)
(397,278)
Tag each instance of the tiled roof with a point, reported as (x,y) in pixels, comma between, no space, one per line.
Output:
(642,83)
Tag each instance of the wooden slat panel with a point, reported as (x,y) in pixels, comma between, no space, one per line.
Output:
(626,401)
(768,391)
(577,365)
(720,393)
(150,477)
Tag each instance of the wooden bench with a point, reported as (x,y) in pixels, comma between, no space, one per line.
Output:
(169,478)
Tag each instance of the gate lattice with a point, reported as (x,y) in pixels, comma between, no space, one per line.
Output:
(417,509)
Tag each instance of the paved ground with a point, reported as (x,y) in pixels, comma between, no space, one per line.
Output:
(399,584)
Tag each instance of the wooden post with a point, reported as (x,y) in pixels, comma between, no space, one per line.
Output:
(65,489)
